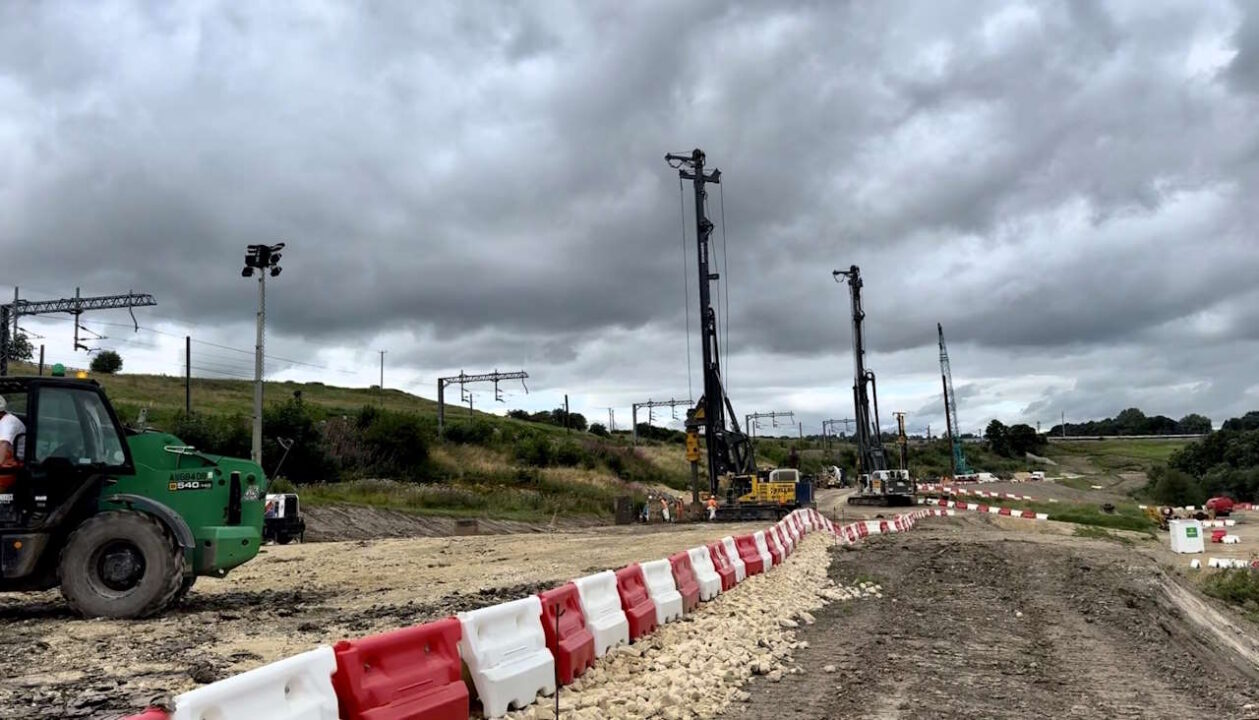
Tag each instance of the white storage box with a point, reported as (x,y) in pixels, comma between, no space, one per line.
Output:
(1186,536)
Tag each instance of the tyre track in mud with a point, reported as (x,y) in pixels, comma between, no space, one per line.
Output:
(979,623)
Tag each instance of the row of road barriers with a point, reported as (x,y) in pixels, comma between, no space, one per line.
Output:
(513,651)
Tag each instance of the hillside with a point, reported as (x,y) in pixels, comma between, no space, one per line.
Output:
(1119,465)
(346,440)
(163,395)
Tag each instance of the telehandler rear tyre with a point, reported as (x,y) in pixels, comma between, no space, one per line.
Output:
(120,564)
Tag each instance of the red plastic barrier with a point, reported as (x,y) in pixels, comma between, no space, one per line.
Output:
(776,556)
(574,646)
(882,527)
(1029,514)
(407,674)
(942,502)
(636,601)
(982,508)
(1004,511)
(150,714)
(749,554)
(721,563)
(684,578)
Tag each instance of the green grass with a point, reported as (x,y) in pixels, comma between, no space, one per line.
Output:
(1076,483)
(1116,455)
(532,500)
(467,480)
(1127,516)
(1097,533)
(1236,587)
(163,395)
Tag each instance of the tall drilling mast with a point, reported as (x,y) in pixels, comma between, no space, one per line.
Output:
(957,459)
(729,450)
(870,454)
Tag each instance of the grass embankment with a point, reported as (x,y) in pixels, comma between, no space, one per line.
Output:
(1114,455)
(487,466)
(1097,533)
(1236,587)
(1127,516)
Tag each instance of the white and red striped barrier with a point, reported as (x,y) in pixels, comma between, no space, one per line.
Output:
(981,508)
(511,655)
(953,490)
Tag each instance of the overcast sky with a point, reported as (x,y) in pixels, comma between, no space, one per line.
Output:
(1069,187)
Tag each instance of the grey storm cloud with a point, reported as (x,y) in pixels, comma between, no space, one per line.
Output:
(1050,180)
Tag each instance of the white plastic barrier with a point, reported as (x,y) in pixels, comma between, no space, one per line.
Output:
(732,552)
(601,604)
(797,530)
(779,535)
(506,654)
(778,541)
(295,688)
(663,591)
(1227,563)
(807,519)
(762,547)
(705,573)
(872,527)
(789,528)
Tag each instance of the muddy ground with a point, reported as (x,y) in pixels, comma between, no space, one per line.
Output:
(979,622)
(289,600)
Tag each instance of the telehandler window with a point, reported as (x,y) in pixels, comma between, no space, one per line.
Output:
(73,424)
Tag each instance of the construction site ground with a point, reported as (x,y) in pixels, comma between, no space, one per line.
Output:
(981,621)
(979,616)
(288,600)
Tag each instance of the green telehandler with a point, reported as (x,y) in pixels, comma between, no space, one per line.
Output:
(122,521)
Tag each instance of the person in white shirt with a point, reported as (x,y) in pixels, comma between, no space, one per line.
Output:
(10,428)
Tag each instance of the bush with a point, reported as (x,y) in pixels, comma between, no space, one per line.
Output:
(1239,587)
(598,429)
(474,432)
(228,435)
(307,460)
(397,444)
(568,454)
(533,450)
(106,362)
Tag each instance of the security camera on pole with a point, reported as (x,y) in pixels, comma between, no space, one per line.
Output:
(264,259)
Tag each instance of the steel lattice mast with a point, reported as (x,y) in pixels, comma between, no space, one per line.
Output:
(957,459)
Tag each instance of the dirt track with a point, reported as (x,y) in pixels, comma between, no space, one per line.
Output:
(986,624)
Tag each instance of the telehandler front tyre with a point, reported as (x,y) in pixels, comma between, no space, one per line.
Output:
(120,564)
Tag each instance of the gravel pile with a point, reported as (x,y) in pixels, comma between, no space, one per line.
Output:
(697,666)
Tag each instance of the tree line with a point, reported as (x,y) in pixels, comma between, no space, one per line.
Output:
(1134,422)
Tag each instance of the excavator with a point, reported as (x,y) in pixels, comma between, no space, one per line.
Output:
(743,491)
(876,483)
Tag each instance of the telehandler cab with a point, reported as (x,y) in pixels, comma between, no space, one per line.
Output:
(123,521)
